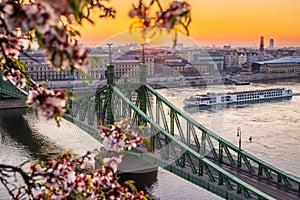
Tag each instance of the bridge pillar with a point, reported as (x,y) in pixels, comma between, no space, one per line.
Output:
(110,82)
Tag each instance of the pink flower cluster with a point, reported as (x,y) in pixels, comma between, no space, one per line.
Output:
(38,15)
(141,13)
(50,102)
(113,161)
(120,136)
(9,47)
(40,21)
(62,53)
(120,192)
(62,179)
(177,13)
(14,76)
(53,34)
(172,16)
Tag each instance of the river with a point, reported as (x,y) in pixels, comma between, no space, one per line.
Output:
(274,127)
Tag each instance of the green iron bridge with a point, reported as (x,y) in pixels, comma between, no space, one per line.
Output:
(178,143)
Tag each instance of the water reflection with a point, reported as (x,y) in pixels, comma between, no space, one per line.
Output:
(15,129)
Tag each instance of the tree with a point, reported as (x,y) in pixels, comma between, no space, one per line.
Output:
(50,25)
(67,178)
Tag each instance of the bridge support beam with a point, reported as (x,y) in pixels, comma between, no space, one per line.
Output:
(203,143)
(220,152)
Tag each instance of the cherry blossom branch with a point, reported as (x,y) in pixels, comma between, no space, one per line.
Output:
(67,177)
(159,5)
(42,22)
(175,17)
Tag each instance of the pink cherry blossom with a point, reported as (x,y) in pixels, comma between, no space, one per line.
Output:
(171,17)
(15,76)
(10,47)
(50,102)
(119,136)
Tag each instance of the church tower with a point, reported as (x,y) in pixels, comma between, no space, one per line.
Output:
(261,53)
(261,45)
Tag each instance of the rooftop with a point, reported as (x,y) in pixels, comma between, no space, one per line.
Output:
(289,59)
(283,64)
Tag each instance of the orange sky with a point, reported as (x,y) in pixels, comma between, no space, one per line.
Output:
(219,22)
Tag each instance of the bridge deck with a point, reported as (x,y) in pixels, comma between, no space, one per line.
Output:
(271,188)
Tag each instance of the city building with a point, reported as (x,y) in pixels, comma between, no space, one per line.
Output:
(198,57)
(230,59)
(226,47)
(39,70)
(167,63)
(98,59)
(280,65)
(246,67)
(271,46)
(242,58)
(128,64)
(272,68)
(252,56)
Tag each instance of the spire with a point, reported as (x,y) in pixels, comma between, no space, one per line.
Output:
(110,68)
(143,70)
(109,52)
(143,54)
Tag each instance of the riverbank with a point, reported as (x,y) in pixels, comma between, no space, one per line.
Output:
(265,77)
(84,87)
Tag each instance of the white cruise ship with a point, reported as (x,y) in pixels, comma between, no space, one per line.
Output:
(237,97)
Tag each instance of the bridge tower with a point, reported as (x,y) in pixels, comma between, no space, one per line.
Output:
(110,83)
(142,90)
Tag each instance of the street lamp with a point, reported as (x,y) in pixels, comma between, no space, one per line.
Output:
(239,134)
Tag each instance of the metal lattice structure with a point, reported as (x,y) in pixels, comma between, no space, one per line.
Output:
(178,143)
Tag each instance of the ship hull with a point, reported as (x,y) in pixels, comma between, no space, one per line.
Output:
(212,99)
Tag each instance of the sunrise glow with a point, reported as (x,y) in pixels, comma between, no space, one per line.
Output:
(218,22)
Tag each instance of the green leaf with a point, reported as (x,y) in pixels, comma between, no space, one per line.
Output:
(39,38)
(72,95)
(131,186)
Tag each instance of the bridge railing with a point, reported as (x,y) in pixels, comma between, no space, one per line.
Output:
(174,155)
(210,144)
(90,109)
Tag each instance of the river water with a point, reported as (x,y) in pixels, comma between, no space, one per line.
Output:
(274,127)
